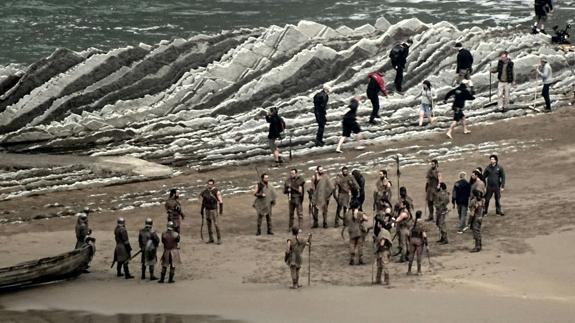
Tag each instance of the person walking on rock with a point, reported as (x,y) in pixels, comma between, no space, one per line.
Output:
(398,57)
(357,232)
(494,176)
(426,109)
(322,193)
(506,77)
(417,240)
(464,63)
(441,203)
(174,209)
(320,110)
(82,230)
(293,255)
(149,241)
(294,188)
(383,244)
(545,73)
(431,187)
(171,255)
(211,198)
(476,211)
(276,129)
(460,199)
(542,9)
(376,84)
(460,94)
(264,202)
(349,125)
(344,185)
(123,250)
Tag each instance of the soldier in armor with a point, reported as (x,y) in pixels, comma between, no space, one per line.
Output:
(418,239)
(476,210)
(174,209)
(294,189)
(293,255)
(323,189)
(122,253)
(431,187)
(211,198)
(171,255)
(82,230)
(149,241)
(441,207)
(344,185)
(264,202)
(382,245)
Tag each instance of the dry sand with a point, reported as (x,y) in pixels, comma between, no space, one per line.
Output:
(524,273)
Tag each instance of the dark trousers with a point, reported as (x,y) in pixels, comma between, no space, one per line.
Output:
(321,121)
(398,78)
(490,192)
(545,94)
(375,105)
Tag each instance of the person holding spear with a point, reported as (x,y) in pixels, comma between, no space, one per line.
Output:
(293,256)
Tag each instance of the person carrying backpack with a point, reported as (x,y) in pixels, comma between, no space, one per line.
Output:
(375,85)
(398,57)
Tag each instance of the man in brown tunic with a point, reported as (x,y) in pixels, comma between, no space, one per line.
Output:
(122,252)
(382,245)
(441,204)
(149,241)
(357,232)
(403,222)
(322,193)
(477,184)
(174,209)
(171,255)
(418,239)
(293,255)
(264,202)
(431,187)
(344,185)
(476,208)
(294,188)
(382,195)
(211,198)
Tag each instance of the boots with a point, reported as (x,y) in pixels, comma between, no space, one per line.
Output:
(477,246)
(143,277)
(360,262)
(419,269)
(162,275)
(386,279)
(172,273)
(259,231)
(127,271)
(351,263)
(119,270)
(378,276)
(152,277)
(409,268)
(315,225)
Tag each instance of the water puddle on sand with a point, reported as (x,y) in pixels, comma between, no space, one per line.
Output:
(83,317)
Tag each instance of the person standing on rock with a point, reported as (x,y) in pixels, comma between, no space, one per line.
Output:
(506,77)
(431,187)
(294,188)
(123,250)
(82,230)
(494,176)
(276,129)
(383,244)
(426,109)
(149,241)
(441,203)
(376,84)
(171,255)
(349,125)
(357,232)
(460,199)
(293,255)
(344,185)
(323,191)
(382,195)
(360,180)
(545,73)
(417,240)
(464,63)
(211,198)
(460,94)
(476,211)
(398,57)
(264,202)
(174,209)
(320,110)
(542,8)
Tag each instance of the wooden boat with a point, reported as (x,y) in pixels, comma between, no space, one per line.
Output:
(64,266)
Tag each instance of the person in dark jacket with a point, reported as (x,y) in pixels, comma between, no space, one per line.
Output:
(123,250)
(464,63)
(361,191)
(542,8)
(460,199)
(319,110)
(398,58)
(460,94)
(506,77)
(376,84)
(494,176)
(349,125)
(275,132)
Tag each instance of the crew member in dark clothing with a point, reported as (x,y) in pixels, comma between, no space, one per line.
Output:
(460,198)
(319,110)
(349,125)
(494,176)
(464,63)
(398,56)
(361,191)
(375,85)
(542,8)
(461,94)
(277,126)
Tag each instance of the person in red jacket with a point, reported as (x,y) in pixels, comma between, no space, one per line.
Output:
(376,84)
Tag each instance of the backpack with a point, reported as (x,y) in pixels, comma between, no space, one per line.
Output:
(282,124)
(395,53)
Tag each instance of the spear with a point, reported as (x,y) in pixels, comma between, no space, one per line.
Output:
(398,173)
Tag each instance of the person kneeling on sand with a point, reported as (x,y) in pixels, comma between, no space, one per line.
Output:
(293,255)
(460,94)
(349,125)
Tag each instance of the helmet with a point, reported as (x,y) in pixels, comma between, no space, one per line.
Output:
(170,225)
(121,221)
(82,216)
(87,209)
(149,222)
